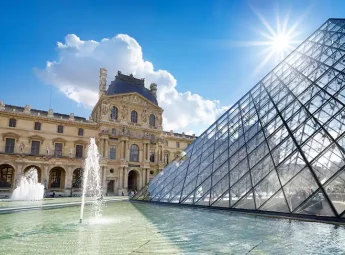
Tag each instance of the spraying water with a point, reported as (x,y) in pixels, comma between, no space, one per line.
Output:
(92,182)
(29,188)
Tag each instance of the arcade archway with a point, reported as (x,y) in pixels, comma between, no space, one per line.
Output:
(6,176)
(57,178)
(39,171)
(133,180)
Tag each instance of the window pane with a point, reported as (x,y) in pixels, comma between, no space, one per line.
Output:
(58,149)
(9,147)
(35,147)
(134,153)
(79,151)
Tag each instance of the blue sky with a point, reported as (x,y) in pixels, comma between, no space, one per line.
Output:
(195,41)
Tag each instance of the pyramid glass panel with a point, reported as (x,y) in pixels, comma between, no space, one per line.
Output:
(280,148)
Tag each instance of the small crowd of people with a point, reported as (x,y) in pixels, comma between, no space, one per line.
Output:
(131,193)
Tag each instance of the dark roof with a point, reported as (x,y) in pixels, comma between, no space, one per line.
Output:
(14,108)
(128,84)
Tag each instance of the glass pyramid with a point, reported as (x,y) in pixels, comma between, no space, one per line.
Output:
(280,148)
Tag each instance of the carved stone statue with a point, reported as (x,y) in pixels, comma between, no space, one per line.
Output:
(27,108)
(21,147)
(102,80)
(71,116)
(71,153)
(124,112)
(166,158)
(105,108)
(125,131)
(153,89)
(2,105)
(144,116)
(47,151)
(50,113)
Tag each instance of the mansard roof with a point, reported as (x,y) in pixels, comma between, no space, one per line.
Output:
(128,84)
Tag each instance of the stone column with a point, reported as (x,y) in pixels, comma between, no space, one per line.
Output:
(104,182)
(123,149)
(120,177)
(106,150)
(147,175)
(142,177)
(69,176)
(144,152)
(147,151)
(125,177)
(45,176)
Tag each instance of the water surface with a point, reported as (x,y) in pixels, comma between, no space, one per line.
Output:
(143,228)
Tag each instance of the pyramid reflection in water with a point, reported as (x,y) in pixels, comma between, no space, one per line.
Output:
(280,148)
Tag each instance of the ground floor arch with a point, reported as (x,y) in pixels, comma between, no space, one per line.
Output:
(57,178)
(133,180)
(39,172)
(77,178)
(6,176)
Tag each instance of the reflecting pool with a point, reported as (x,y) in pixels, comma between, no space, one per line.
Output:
(144,228)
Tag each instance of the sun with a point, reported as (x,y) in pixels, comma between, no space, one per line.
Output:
(281,43)
(276,41)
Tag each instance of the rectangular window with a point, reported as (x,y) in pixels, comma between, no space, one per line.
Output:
(12,123)
(79,151)
(35,147)
(60,129)
(112,153)
(9,147)
(58,149)
(37,126)
(177,145)
(81,132)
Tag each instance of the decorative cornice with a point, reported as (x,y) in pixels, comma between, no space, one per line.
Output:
(46,119)
(81,142)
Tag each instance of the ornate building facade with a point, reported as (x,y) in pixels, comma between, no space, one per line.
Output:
(126,123)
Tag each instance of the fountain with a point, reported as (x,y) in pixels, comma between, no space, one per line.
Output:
(92,182)
(29,188)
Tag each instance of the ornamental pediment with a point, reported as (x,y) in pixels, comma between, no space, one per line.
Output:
(36,138)
(10,135)
(80,142)
(59,140)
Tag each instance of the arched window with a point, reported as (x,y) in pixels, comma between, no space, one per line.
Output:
(134,117)
(113,113)
(134,153)
(152,120)
(77,178)
(6,176)
(57,178)
(152,156)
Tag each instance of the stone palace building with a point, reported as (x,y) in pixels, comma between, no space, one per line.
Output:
(126,123)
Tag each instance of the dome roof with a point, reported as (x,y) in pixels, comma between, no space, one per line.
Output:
(129,84)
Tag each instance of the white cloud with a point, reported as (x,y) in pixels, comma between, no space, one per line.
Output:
(76,74)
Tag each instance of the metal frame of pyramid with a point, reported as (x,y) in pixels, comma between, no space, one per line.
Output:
(280,148)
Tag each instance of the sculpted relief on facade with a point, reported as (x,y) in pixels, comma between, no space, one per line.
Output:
(124,112)
(105,108)
(134,99)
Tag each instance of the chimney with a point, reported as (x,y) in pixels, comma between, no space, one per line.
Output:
(102,81)
(153,89)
